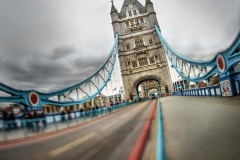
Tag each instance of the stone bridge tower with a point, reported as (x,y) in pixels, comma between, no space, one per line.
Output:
(140,52)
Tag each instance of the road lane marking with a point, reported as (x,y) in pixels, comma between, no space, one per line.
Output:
(109,125)
(125,115)
(71,145)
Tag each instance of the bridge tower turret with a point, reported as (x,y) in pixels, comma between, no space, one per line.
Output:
(152,13)
(140,52)
(114,16)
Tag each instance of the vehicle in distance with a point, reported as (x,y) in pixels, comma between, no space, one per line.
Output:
(153,96)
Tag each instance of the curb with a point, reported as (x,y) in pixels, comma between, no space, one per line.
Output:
(138,149)
(160,145)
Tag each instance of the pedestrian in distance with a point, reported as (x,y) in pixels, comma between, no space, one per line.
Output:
(43,117)
(6,119)
(36,120)
(69,114)
(63,115)
(181,90)
(81,112)
(12,119)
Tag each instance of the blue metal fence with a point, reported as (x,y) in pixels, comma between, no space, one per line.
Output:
(206,91)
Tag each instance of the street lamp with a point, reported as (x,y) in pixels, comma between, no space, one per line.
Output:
(145,88)
(121,92)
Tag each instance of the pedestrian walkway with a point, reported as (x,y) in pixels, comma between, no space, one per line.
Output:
(201,127)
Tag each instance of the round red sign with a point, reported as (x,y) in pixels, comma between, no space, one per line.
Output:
(33,98)
(221,63)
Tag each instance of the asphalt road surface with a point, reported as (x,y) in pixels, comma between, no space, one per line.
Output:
(109,138)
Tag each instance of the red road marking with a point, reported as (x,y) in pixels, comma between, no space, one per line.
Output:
(138,149)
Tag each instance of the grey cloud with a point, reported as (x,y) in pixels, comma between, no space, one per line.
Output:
(210,24)
(83,62)
(62,52)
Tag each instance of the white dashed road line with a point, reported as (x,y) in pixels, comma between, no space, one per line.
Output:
(125,115)
(71,145)
(109,125)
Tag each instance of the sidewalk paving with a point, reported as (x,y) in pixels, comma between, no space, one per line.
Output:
(201,127)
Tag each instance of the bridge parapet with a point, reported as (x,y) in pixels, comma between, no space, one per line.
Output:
(206,91)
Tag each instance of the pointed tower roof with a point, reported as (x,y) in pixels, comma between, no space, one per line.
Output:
(140,7)
(113,9)
(148,2)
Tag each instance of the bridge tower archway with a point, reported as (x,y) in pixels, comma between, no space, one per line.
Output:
(147,83)
(152,90)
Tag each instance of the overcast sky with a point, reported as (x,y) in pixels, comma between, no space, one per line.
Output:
(48,44)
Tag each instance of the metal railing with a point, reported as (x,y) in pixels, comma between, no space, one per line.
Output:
(206,91)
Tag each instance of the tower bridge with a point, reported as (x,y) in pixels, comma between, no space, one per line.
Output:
(140,61)
(143,55)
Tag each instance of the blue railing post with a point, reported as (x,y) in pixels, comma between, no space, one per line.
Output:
(215,92)
(4,131)
(25,128)
(75,116)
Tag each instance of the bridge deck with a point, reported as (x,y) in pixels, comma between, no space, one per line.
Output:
(201,127)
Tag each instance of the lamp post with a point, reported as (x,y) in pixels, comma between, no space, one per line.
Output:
(145,88)
(159,90)
(121,92)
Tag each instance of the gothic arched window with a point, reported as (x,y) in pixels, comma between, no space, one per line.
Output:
(130,13)
(143,61)
(134,64)
(135,12)
(152,60)
(150,41)
(128,46)
(139,42)
(127,24)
